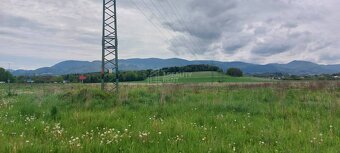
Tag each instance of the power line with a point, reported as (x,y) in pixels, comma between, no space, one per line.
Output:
(182,20)
(158,26)
(160,15)
(147,17)
(165,17)
(192,44)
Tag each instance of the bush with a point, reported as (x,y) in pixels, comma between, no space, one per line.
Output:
(89,98)
(235,72)
(54,112)
(5,75)
(30,109)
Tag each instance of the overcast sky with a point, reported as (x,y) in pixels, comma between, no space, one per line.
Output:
(37,33)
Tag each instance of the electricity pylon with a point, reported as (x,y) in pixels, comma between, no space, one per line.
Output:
(109,46)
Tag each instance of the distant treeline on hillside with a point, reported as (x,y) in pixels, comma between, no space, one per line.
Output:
(285,76)
(124,76)
(191,68)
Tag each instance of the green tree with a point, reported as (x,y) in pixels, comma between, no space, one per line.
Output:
(235,72)
(5,75)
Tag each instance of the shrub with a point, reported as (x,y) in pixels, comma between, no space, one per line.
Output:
(54,112)
(235,72)
(30,109)
(89,98)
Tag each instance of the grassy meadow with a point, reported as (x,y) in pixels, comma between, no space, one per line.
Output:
(202,77)
(263,117)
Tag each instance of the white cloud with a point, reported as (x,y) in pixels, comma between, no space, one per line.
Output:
(262,31)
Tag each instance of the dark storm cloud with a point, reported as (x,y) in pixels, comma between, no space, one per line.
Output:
(213,8)
(233,43)
(267,49)
(19,27)
(11,21)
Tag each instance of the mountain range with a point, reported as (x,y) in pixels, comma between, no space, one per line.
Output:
(77,67)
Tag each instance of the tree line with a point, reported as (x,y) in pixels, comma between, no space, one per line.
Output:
(6,75)
(191,68)
(124,76)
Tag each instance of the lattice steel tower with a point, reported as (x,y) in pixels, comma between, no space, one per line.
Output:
(109,46)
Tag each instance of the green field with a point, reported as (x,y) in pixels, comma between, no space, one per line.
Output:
(269,117)
(202,77)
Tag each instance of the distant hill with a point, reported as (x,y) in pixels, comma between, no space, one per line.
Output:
(75,67)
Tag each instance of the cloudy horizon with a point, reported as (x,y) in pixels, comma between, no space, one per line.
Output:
(39,33)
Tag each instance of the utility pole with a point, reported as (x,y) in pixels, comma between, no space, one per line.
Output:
(212,73)
(9,80)
(109,45)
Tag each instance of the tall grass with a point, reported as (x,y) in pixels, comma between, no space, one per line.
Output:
(270,117)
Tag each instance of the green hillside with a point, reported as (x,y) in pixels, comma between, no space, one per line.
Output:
(202,77)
